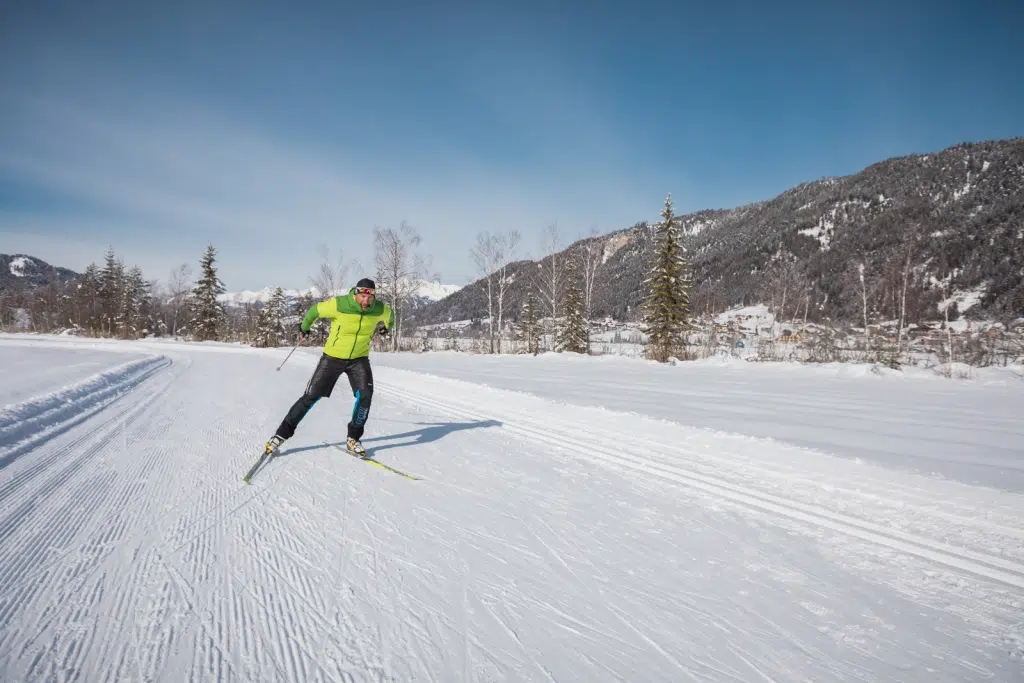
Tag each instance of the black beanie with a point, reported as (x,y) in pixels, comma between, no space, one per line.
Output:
(366,282)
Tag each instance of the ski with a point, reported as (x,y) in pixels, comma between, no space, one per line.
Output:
(264,457)
(367,458)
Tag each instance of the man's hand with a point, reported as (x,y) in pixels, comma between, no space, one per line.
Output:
(301,334)
(382,329)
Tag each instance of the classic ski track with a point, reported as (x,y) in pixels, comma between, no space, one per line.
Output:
(79,409)
(986,566)
(32,551)
(96,512)
(276,570)
(20,473)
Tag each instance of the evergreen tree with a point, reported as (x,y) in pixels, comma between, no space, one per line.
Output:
(667,306)
(87,306)
(111,286)
(208,315)
(136,304)
(529,328)
(269,326)
(574,335)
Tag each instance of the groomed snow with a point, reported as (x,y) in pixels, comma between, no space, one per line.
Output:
(33,371)
(916,420)
(550,539)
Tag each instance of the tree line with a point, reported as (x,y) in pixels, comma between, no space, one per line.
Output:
(114,301)
(557,303)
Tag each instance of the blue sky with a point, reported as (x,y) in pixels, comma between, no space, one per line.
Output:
(268,129)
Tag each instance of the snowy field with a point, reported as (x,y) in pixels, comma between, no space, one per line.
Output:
(576,520)
(917,420)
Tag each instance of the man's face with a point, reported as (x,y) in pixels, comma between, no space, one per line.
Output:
(364,297)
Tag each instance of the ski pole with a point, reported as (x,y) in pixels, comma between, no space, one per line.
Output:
(288,356)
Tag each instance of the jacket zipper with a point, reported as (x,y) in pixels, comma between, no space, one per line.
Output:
(356,338)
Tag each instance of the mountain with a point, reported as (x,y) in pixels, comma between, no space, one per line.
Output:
(953,218)
(428,292)
(24,271)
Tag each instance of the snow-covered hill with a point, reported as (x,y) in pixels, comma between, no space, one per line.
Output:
(575,520)
(25,271)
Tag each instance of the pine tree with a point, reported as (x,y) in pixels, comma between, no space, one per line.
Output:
(132,298)
(667,306)
(111,287)
(574,336)
(529,329)
(269,326)
(87,306)
(208,314)
(137,301)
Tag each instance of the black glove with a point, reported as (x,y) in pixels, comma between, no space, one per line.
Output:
(382,330)
(301,334)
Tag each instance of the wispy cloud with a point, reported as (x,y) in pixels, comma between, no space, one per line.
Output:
(176,174)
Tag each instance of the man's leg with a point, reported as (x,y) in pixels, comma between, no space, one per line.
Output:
(360,376)
(320,385)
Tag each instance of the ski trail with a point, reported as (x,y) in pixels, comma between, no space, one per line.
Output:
(515,558)
(26,425)
(589,445)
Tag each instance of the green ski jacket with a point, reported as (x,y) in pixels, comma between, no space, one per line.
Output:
(352,328)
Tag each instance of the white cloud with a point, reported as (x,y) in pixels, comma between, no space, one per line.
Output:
(178,175)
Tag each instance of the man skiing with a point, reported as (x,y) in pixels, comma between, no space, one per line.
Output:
(354,318)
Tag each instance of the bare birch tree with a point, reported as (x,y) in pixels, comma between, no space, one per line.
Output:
(864,304)
(179,284)
(330,279)
(904,284)
(492,255)
(590,260)
(549,273)
(506,243)
(400,270)
(485,258)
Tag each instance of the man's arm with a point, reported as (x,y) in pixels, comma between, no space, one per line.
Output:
(323,309)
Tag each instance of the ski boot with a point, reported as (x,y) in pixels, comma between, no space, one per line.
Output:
(356,448)
(274,443)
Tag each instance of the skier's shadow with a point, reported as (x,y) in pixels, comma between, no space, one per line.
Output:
(431,431)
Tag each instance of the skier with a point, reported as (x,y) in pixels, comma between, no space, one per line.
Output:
(354,318)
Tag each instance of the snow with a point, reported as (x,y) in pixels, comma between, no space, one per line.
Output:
(822,231)
(613,245)
(248,296)
(32,372)
(536,547)
(435,291)
(962,192)
(965,299)
(18,265)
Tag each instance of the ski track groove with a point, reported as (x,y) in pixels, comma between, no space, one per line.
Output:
(24,426)
(119,522)
(231,574)
(992,568)
(81,509)
(295,580)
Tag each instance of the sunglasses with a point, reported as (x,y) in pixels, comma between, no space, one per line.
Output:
(364,290)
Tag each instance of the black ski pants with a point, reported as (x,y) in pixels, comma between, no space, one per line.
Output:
(321,384)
